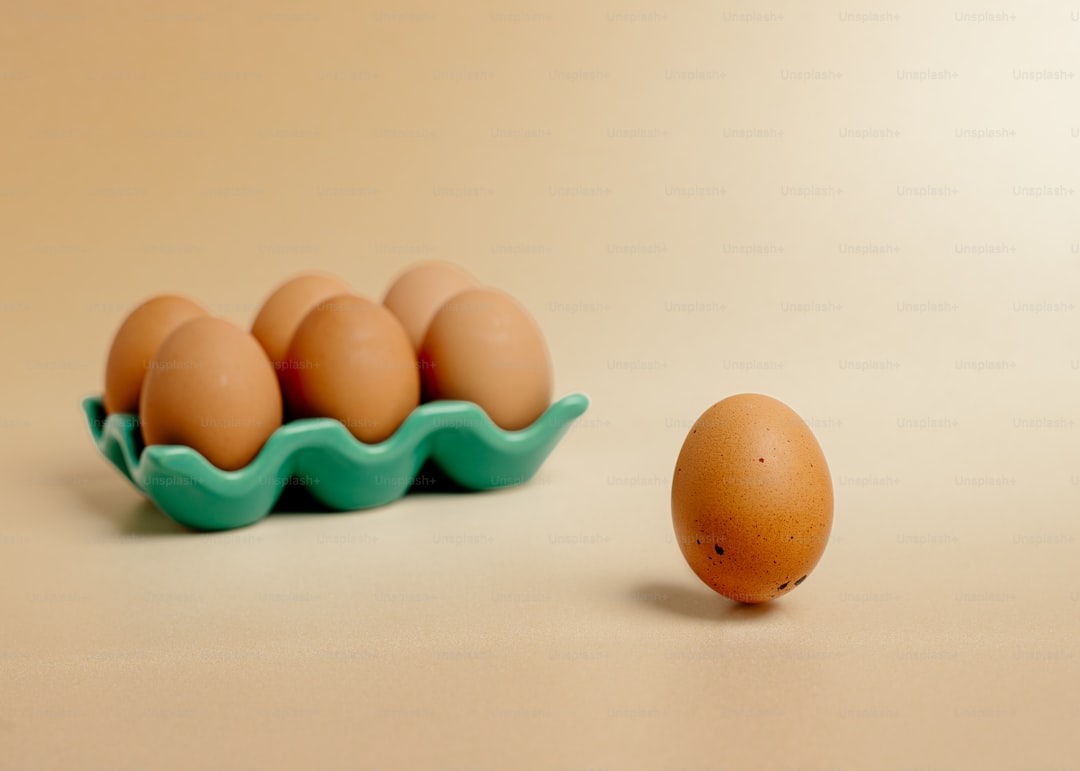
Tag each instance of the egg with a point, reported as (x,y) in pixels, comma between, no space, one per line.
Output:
(751,498)
(286,307)
(134,346)
(350,359)
(482,346)
(418,293)
(211,386)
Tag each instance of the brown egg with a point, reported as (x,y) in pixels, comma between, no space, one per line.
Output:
(211,387)
(751,498)
(418,293)
(350,359)
(484,347)
(285,308)
(135,344)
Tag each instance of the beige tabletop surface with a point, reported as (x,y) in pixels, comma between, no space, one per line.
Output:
(869,211)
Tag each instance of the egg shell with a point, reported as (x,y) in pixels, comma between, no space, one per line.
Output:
(418,293)
(135,344)
(211,387)
(484,347)
(350,359)
(751,498)
(285,308)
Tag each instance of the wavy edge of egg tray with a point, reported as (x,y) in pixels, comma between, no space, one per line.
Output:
(337,470)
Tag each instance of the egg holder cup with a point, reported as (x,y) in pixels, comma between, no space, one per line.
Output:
(334,467)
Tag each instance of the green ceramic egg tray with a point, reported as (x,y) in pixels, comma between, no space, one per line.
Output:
(336,469)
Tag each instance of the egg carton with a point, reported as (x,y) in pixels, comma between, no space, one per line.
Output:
(336,469)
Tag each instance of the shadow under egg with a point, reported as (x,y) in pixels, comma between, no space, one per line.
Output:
(699,603)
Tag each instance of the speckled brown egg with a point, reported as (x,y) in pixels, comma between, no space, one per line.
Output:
(285,308)
(351,360)
(751,498)
(135,344)
(418,293)
(483,346)
(211,387)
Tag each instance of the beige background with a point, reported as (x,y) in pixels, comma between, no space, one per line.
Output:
(865,210)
